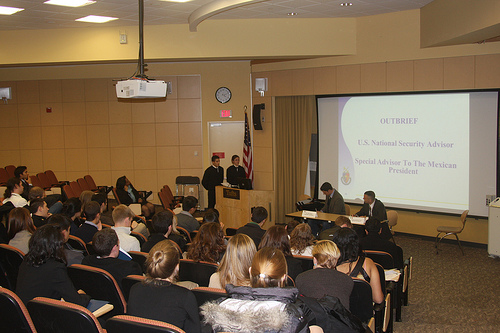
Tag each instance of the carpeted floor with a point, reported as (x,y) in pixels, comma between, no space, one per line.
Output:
(450,292)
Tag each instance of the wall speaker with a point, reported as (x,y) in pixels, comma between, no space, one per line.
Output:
(257,124)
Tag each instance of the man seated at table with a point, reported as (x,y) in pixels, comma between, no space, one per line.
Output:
(374,242)
(334,204)
(373,207)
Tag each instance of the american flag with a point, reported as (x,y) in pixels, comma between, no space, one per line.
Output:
(247,151)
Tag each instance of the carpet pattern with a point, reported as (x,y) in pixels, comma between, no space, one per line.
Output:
(450,292)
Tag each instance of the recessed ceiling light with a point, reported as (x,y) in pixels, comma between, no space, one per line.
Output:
(69,3)
(9,10)
(96,19)
(346,4)
(291,14)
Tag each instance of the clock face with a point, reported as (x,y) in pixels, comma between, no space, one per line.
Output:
(223,94)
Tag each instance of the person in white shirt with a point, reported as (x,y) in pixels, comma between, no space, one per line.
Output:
(122,217)
(13,193)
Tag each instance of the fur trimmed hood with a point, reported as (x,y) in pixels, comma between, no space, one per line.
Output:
(259,310)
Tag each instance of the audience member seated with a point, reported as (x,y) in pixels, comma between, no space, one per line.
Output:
(340,222)
(277,238)
(86,197)
(107,248)
(72,208)
(122,217)
(20,228)
(102,200)
(235,264)
(21,172)
(185,218)
(291,225)
(373,241)
(53,201)
(127,195)
(265,306)
(163,226)
(64,224)
(92,224)
(208,245)
(158,298)
(254,228)
(301,240)
(43,271)
(13,191)
(324,279)
(212,215)
(353,263)
(39,212)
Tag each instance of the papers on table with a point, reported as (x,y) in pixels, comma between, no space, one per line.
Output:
(310,214)
(357,220)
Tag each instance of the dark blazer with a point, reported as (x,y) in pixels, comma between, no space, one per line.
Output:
(86,232)
(165,302)
(233,173)
(254,231)
(38,221)
(375,243)
(26,189)
(125,198)
(47,280)
(212,177)
(157,237)
(378,211)
(335,204)
(116,267)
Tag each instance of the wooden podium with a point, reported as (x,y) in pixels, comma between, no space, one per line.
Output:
(234,205)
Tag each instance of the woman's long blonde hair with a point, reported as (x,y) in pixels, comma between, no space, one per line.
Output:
(236,261)
(269,268)
(326,254)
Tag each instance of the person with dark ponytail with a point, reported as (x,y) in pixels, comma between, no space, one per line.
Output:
(72,208)
(265,306)
(158,297)
(13,193)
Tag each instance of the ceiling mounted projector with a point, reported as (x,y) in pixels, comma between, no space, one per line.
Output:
(138,85)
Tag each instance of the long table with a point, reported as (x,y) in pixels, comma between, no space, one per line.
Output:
(321,216)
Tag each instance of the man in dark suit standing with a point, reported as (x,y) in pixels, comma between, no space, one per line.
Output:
(213,176)
(334,204)
(254,229)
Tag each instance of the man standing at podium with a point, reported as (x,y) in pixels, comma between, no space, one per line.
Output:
(334,204)
(213,176)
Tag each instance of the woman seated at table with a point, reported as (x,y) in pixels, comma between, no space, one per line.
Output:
(127,195)
(324,279)
(277,237)
(208,244)
(158,298)
(301,240)
(233,268)
(43,271)
(353,262)
(265,306)
(20,227)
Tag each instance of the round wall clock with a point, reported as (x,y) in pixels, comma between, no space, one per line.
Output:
(223,95)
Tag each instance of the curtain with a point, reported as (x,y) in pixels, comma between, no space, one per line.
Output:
(294,126)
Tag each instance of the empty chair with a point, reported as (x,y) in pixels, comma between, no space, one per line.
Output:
(205,294)
(42,177)
(197,272)
(447,231)
(36,182)
(50,315)
(53,179)
(99,284)
(4,176)
(77,190)
(131,324)
(68,192)
(10,170)
(10,260)
(165,202)
(91,183)
(382,258)
(83,184)
(14,315)
(392,221)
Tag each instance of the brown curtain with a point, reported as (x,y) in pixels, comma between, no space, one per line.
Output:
(294,125)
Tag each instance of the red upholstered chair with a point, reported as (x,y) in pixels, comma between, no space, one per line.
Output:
(99,284)
(10,170)
(131,324)
(77,190)
(53,179)
(50,315)
(4,176)
(36,182)
(10,260)
(68,192)
(14,315)
(116,196)
(83,184)
(44,180)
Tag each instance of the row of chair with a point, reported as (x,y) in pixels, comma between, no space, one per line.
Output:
(74,188)
(48,315)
